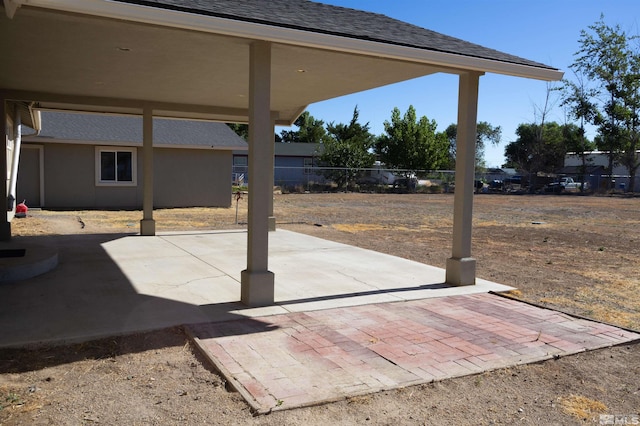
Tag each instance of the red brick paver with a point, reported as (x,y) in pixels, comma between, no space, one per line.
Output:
(299,359)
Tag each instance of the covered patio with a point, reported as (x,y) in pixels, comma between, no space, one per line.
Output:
(181,278)
(252,62)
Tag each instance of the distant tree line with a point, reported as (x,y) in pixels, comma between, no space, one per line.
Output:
(409,144)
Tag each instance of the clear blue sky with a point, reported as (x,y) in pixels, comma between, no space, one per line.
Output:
(545,31)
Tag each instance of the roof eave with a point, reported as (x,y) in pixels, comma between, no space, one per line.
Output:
(456,63)
(50,140)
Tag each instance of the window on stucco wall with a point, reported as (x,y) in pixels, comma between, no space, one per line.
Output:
(116,166)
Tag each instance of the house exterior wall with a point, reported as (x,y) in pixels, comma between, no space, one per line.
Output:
(183,178)
(69,176)
(188,178)
(289,171)
(620,173)
(28,188)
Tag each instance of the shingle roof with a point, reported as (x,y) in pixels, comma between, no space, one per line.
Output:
(128,129)
(298,149)
(327,19)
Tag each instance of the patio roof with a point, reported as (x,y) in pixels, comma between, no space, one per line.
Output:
(235,61)
(190,59)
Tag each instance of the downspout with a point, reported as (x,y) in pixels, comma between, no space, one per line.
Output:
(13,177)
(10,7)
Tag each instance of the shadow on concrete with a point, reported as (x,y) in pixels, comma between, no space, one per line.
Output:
(438,286)
(88,297)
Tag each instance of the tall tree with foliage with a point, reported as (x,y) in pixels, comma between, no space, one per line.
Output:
(309,130)
(347,150)
(540,148)
(577,98)
(411,144)
(540,138)
(606,58)
(631,96)
(485,134)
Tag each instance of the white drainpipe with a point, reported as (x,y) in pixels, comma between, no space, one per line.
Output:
(13,177)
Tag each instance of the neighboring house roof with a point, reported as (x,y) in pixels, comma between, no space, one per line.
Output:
(121,129)
(295,149)
(334,20)
(298,149)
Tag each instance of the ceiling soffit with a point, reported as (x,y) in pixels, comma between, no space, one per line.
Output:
(76,60)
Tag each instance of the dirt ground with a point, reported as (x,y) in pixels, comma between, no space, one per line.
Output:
(577,254)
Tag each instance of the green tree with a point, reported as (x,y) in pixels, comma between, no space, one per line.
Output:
(606,58)
(347,150)
(309,130)
(578,101)
(410,144)
(631,95)
(540,148)
(485,133)
(240,129)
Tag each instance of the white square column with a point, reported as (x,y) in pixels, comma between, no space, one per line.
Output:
(461,267)
(147,224)
(257,282)
(5,225)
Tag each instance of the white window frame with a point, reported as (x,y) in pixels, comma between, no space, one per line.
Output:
(134,166)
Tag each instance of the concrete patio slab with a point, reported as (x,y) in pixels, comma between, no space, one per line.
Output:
(307,358)
(108,284)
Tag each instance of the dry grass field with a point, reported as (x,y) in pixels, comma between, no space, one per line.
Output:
(577,254)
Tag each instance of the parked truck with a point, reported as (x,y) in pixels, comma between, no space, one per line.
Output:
(566,184)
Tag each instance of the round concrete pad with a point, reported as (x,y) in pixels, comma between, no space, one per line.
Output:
(36,260)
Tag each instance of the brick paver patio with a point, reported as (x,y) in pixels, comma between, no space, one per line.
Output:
(306,358)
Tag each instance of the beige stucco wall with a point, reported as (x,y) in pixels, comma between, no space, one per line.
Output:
(69,172)
(188,177)
(28,187)
(183,178)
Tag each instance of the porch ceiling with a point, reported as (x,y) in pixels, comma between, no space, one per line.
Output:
(80,62)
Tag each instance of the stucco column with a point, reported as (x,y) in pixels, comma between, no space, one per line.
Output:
(5,225)
(257,282)
(461,267)
(147,224)
(272,159)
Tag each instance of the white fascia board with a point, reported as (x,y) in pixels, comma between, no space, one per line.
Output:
(209,147)
(249,30)
(48,141)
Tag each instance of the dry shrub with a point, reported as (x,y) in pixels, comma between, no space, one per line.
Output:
(514,293)
(582,407)
(354,228)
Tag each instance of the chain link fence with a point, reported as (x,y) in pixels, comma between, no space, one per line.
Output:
(375,179)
